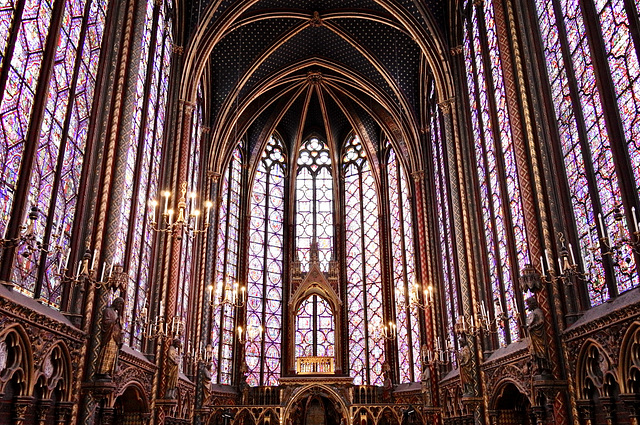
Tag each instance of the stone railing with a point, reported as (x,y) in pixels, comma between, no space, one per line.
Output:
(315,365)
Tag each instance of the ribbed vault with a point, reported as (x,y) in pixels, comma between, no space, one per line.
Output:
(323,67)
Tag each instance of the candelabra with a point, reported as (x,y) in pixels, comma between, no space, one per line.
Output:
(438,355)
(161,328)
(188,218)
(379,331)
(227,295)
(414,298)
(27,237)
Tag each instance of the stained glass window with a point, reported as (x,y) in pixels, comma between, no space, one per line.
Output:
(142,243)
(364,277)
(404,271)
(266,249)
(500,197)
(314,202)
(315,328)
(54,182)
(226,274)
(584,134)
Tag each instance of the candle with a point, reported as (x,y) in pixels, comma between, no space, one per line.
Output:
(79,268)
(603,229)
(102,274)
(93,260)
(542,266)
(60,265)
(170,214)
(573,258)
(166,201)
(635,219)
(66,262)
(546,256)
(560,265)
(209,204)
(111,268)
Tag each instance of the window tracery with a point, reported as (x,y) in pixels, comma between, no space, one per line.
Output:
(265,278)
(364,274)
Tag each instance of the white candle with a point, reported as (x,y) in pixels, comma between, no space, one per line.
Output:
(542,266)
(102,274)
(111,268)
(209,205)
(573,258)
(603,229)
(560,265)
(635,219)
(79,268)
(546,256)
(93,261)
(66,262)
(60,265)
(166,201)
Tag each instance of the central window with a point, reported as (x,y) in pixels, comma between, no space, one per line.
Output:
(314,203)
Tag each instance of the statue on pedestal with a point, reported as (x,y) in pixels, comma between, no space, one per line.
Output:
(538,343)
(172,369)
(110,339)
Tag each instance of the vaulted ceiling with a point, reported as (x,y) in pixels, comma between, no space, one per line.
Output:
(310,66)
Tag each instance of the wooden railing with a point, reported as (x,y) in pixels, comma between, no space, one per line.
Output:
(315,365)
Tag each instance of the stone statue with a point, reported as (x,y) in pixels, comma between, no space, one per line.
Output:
(465,361)
(538,343)
(110,339)
(171,369)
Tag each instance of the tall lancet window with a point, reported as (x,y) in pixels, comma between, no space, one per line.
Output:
(226,274)
(587,114)
(68,73)
(504,234)
(364,277)
(264,283)
(403,271)
(314,203)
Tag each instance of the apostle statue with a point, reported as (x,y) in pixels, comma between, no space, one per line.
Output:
(110,339)
(538,343)
(172,369)
(465,360)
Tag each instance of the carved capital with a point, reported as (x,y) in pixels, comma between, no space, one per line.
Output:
(21,406)
(418,176)
(446,105)
(178,50)
(63,412)
(42,410)
(457,50)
